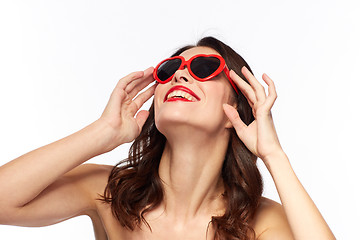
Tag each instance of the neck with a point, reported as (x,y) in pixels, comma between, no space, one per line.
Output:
(190,169)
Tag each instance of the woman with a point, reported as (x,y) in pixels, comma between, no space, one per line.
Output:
(191,171)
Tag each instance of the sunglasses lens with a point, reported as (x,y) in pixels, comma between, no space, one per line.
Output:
(168,68)
(203,67)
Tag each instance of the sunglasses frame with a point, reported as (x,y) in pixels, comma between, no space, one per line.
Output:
(222,67)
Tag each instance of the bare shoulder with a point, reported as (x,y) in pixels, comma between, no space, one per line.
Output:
(91,178)
(270,221)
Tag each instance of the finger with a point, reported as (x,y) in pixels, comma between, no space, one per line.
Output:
(255,84)
(140,83)
(244,87)
(123,82)
(272,95)
(234,118)
(141,118)
(115,100)
(143,83)
(143,97)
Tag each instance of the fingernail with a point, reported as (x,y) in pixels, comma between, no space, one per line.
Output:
(148,68)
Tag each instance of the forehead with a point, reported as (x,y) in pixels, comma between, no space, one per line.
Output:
(198,50)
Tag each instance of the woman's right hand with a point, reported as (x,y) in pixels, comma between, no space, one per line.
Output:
(57,186)
(123,105)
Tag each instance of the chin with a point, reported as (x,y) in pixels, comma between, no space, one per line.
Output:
(172,120)
(178,123)
(184,118)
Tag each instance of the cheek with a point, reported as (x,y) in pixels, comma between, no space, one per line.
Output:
(219,91)
(159,94)
(218,94)
(158,89)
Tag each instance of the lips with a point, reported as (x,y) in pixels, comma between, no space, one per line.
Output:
(180,88)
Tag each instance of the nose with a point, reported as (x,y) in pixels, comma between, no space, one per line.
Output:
(182,75)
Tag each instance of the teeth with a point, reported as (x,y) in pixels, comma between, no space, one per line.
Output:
(179,93)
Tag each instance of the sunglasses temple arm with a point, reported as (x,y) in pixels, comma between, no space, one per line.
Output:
(227,72)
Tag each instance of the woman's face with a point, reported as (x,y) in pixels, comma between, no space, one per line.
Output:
(204,111)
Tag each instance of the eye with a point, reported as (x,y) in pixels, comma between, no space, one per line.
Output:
(204,66)
(168,68)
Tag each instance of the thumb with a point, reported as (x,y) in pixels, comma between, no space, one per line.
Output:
(141,118)
(234,118)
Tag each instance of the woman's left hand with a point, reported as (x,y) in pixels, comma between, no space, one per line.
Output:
(260,136)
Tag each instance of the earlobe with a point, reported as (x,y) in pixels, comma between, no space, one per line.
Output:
(228,124)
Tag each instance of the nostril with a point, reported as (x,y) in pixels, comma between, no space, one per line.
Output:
(183,78)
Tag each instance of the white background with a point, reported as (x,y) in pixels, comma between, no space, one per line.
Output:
(59,61)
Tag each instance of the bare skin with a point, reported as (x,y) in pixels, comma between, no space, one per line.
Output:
(69,188)
(106,226)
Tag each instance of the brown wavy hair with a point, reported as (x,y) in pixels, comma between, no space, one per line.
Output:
(135,188)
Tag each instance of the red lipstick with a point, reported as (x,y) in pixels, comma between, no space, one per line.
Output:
(182,88)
